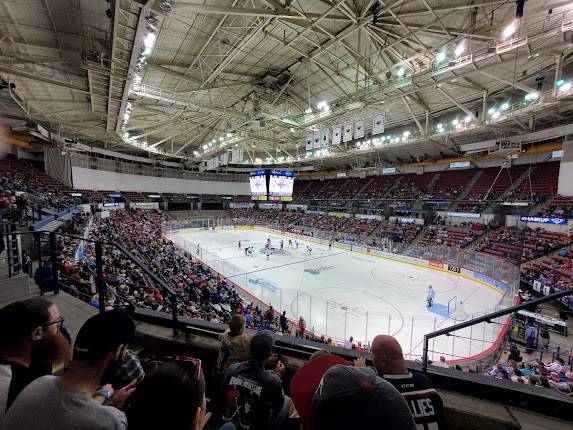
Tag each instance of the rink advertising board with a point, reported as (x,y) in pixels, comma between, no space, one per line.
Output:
(543,220)
(455,269)
(437,264)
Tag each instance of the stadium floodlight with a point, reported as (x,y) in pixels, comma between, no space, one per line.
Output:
(559,83)
(221,138)
(149,40)
(195,153)
(205,147)
(495,114)
(229,134)
(401,71)
(460,48)
(566,86)
(510,29)
(440,125)
(308,110)
(491,110)
(406,134)
(531,96)
(468,119)
(504,106)
(455,121)
(441,56)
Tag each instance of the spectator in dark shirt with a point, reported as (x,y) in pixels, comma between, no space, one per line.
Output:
(252,397)
(29,345)
(424,401)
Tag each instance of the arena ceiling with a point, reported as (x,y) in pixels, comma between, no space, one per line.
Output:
(250,74)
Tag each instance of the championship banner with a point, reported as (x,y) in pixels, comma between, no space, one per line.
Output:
(224,159)
(359,129)
(336,135)
(347,133)
(309,142)
(378,123)
(324,138)
(316,139)
(237,154)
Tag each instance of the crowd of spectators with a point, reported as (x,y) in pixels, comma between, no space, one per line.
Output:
(552,374)
(554,271)
(397,231)
(104,385)
(522,245)
(558,207)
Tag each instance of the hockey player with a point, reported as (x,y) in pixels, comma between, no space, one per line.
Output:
(430,297)
(282,244)
(290,243)
(239,245)
(330,245)
(308,250)
(296,243)
(268,252)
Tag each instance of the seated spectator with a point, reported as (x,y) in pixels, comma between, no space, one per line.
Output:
(30,344)
(235,345)
(124,372)
(330,394)
(424,401)
(441,363)
(171,397)
(252,397)
(75,401)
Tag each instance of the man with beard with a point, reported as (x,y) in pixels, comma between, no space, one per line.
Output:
(30,344)
(76,401)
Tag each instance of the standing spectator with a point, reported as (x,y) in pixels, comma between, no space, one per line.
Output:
(26,263)
(284,322)
(329,394)
(441,363)
(252,397)
(171,397)
(235,345)
(424,401)
(29,345)
(348,344)
(76,401)
(530,337)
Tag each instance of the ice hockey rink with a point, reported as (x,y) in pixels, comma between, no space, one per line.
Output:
(343,293)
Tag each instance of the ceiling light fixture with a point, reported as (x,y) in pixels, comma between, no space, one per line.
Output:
(460,48)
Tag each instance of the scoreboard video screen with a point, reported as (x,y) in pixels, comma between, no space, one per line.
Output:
(274,185)
(280,185)
(258,183)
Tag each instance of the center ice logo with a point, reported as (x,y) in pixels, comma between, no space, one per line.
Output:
(317,270)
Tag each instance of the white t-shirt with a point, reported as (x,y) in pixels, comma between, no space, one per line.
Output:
(47,405)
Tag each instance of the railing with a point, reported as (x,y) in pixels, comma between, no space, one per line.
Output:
(490,318)
(43,251)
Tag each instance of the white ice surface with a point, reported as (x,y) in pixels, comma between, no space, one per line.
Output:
(351,293)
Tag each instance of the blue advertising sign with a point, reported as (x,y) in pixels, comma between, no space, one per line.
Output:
(544,219)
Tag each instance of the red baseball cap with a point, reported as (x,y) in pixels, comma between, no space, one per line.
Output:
(304,383)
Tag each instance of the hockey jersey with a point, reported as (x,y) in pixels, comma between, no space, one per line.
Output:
(424,401)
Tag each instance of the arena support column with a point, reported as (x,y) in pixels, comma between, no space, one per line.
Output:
(100,284)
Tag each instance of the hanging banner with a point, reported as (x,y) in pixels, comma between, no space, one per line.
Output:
(378,123)
(316,139)
(309,142)
(336,135)
(224,159)
(347,133)
(237,155)
(359,129)
(324,138)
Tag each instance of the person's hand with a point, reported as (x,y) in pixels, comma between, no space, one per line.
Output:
(280,368)
(101,399)
(120,396)
(360,362)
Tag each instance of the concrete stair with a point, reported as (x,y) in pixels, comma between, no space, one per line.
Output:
(466,190)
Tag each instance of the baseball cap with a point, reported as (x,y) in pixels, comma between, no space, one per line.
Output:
(103,333)
(304,383)
(262,345)
(355,397)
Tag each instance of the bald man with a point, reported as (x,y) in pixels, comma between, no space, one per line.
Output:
(424,401)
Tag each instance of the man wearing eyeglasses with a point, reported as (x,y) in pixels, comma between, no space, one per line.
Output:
(31,343)
(76,401)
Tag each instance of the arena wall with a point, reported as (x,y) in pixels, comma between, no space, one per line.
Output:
(104,180)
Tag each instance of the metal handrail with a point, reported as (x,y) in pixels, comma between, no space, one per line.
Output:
(486,318)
